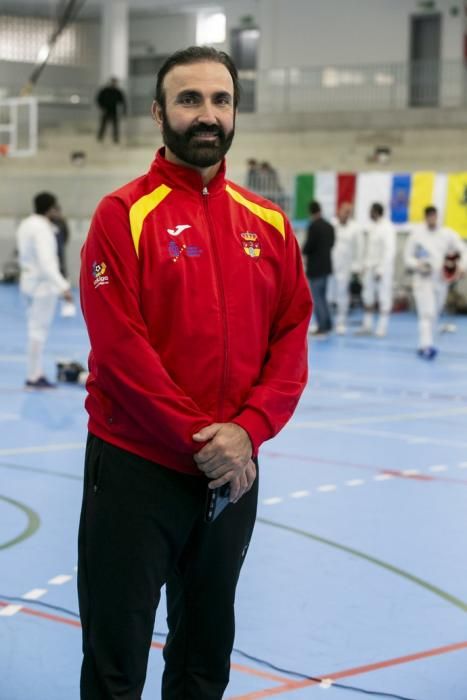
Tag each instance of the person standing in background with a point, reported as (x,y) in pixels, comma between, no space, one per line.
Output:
(377,254)
(344,263)
(317,251)
(112,103)
(40,281)
(435,256)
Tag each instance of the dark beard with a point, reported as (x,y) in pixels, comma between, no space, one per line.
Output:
(191,151)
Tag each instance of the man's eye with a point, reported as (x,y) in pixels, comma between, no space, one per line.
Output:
(187,100)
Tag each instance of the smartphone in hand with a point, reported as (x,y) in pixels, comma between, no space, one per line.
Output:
(217,501)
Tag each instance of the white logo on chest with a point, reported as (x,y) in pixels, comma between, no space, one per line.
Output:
(178,229)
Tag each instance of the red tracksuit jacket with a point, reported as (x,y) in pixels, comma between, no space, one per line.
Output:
(197,309)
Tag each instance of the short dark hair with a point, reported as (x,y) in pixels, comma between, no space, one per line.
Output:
(314,207)
(377,208)
(430,210)
(195,54)
(44,201)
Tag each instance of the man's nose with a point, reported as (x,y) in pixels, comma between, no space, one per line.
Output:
(207,113)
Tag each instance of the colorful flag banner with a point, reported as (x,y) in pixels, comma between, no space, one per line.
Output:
(326,192)
(304,193)
(456,203)
(346,184)
(423,185)
(400,198)
(372,187)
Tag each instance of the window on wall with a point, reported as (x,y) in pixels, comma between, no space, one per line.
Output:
(210,28)
(23,38)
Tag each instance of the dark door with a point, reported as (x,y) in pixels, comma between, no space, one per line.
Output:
(424,71)
(244,52)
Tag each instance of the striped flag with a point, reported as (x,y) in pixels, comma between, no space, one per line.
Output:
(456,203)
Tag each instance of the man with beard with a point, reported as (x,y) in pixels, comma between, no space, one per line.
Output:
(197,309)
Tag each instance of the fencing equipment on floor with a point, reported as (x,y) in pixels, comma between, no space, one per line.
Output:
(344,262)
(40,281)
(426,255)
(377,253)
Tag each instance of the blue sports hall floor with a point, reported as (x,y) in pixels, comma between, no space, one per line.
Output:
(355,584)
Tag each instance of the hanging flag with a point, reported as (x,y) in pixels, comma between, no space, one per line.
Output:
(421,194)
(456,205)
(326,192)
(372,187)
(440,194)
(400,197)
(304,193)
(346,184)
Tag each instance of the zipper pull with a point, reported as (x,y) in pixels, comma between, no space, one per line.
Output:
(205,190)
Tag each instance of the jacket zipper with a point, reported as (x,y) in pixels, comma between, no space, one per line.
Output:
(221,292)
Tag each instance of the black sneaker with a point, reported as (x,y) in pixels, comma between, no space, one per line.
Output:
(41,383)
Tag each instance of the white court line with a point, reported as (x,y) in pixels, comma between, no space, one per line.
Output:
(325,488)
(299,494)
(438,468)
(355,482)
(383,477)
(58,580)
(462,465)
(390,435)
(394,418)
(326,683)
(9,416)
(42,448)
(410,472)
(272,501)
(34,594)
(10,610)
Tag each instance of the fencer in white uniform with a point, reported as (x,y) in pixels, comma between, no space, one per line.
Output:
(435,256)
(377,254)
(40,281)
(344,262)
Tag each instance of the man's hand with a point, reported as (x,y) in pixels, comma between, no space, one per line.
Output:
(226,457)
(67,296)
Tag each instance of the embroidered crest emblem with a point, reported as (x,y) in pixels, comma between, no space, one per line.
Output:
(251,244)
(98,272)
(176,250)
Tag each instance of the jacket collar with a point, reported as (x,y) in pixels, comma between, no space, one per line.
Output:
(183,177)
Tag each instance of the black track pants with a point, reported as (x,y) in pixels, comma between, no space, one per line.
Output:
(141,527)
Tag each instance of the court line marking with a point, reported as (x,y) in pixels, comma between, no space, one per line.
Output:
(390,418)
(387,434)
(42,448)
(448,597)
(35,594)
(155,645)
(33,522)
(60,580)
(348,673)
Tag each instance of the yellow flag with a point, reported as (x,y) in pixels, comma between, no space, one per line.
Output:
(421,194)
(456,204)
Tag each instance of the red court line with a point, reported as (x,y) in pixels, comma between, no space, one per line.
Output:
(155,645)
(368,467)
(297,685)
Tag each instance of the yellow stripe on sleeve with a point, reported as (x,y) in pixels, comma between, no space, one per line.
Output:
(141,208)
(271,216)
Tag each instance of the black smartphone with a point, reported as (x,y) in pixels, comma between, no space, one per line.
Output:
(217,500)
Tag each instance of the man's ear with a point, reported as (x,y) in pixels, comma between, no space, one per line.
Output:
(156,112)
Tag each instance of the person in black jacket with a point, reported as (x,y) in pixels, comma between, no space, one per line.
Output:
(317,250)
(110,100)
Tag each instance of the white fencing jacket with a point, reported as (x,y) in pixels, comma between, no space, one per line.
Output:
(38,259)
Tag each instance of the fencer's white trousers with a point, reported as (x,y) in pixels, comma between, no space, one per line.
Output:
(378,290)
(40,312)
(430,297)
(338,293)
